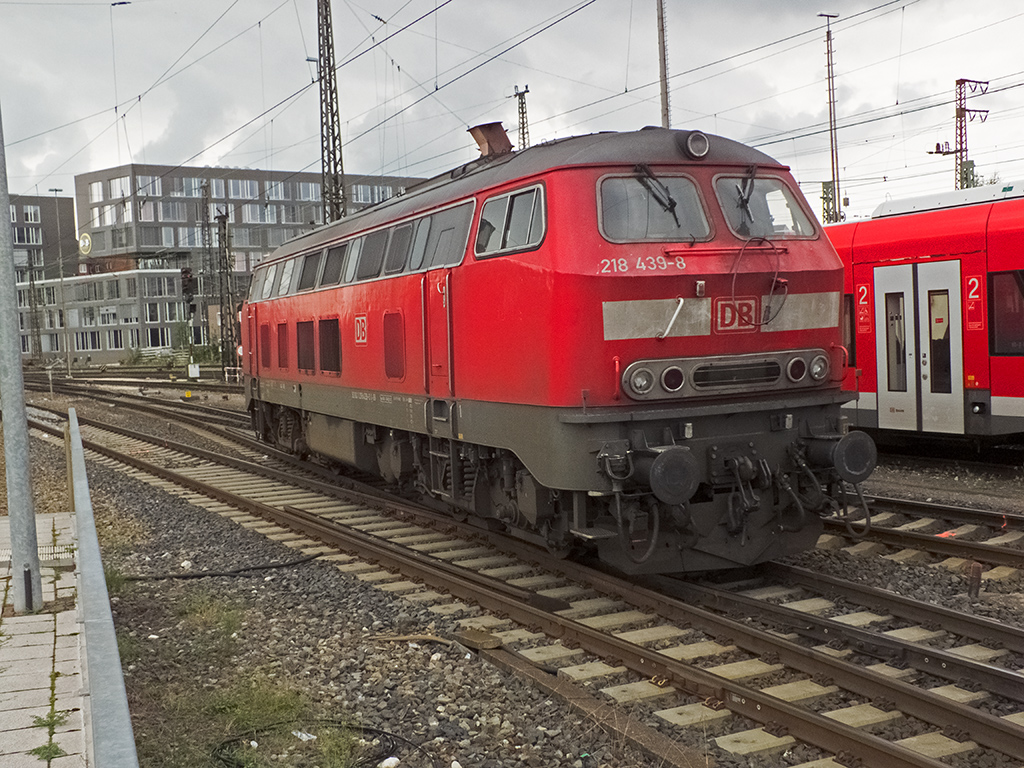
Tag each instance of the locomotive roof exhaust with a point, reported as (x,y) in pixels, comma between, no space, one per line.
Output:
(492,139)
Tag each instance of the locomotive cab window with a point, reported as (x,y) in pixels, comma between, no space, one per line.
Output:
(644,207)
(287,270)
(398,249)
(268,282)
(512,222)
(1006,307)
(761,207)
(372,255)
(333,265)
(310,268)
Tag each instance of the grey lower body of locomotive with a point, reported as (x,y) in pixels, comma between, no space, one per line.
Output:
(651,489)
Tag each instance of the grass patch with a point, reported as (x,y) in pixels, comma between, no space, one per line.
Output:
(117,531)
(116,580)
(203,610)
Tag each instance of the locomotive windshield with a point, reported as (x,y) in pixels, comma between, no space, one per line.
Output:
(645,207)
(762,207)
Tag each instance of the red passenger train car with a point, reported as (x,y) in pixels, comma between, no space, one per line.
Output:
(627,343)
(935,313)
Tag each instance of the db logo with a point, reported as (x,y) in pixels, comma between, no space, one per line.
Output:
(360,329)
(736,315)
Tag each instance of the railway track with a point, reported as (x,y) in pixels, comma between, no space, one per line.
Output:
(650,645)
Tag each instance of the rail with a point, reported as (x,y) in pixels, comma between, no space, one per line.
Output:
(109,736)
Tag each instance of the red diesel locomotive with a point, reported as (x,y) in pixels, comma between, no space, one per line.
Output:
(627,343)
(935,313)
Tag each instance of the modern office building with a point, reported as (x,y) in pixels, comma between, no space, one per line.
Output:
(138,227)
(44,236)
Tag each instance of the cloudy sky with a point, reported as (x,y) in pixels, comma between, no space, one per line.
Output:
(86,85)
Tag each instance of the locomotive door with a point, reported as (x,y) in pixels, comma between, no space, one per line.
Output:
(919,347)
(438,330)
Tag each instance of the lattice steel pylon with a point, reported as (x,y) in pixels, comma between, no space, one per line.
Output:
(524,124)
(963,168)
(830,203)
(333,177)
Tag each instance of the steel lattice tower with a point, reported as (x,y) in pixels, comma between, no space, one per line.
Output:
(831,211)
(963,168)
(524,124)
(333,178)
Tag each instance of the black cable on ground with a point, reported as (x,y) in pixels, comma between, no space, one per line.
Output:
(236,572)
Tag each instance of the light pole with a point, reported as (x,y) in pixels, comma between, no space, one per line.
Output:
(60,273)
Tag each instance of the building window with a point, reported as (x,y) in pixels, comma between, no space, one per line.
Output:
(170,211)
(14,214)
(148,186)
(276,190)
(257,213)
(243,189)
(120,187)
(115,340)
(28,236)
(96,192)
(31,214)
(309,190)
(217,188)
(159,337)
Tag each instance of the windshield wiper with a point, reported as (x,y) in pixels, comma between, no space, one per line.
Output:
(657,189)
(745,192)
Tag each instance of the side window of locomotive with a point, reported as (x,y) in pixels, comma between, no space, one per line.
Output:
(1006,308)
(510,223)
(268,282)
(265,346)
(287,270)
(310,267)
(765,207)
(305,354)
(372,255)
(398,249)
(333,266)
(282,345)
(419,243)
(449,231)
(644,208)
(330,346)
(849,337)
(354,248)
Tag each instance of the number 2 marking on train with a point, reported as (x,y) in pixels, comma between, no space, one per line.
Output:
(974,288)
(862,294)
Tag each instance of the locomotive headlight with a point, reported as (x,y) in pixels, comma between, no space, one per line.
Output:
(819,367)
(641,381)
(672,379)
(796,370)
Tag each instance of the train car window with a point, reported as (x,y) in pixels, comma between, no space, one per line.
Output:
(330,346)
(310,268)
(394,345)
(268,282)
(419,244)
(1006,313)
(398,249)
(762,207)
(353,259)
(305,357)
(941,379)
(895,342)
(492,222)
(663,208)
(265,346)
(333,265)
(510,223)
(282,345)
(449,232)
(372,257)
(287,269)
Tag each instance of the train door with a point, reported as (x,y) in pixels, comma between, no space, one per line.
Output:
(919,347)
(438,330)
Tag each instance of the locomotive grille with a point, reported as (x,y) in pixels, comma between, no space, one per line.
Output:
(761,372)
